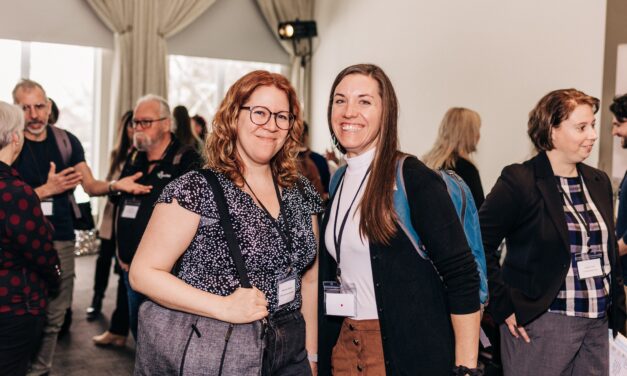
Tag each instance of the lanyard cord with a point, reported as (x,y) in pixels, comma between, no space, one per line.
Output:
(284,235)
(337,238)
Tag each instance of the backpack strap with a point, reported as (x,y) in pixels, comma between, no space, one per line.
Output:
(63,143)
(65,148)
(227,226)
(403,212)
(335,181)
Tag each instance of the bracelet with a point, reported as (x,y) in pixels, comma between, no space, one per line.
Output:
(313,357)
(111,185)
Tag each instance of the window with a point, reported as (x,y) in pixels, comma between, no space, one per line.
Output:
(200,83)
(68,74)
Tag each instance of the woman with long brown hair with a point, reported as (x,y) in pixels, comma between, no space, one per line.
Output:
(252,153)
(383,309)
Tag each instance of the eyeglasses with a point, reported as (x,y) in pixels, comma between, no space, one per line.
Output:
(38,107)
(261,115)
(145,123)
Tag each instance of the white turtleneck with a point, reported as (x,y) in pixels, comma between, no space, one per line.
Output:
(355,251)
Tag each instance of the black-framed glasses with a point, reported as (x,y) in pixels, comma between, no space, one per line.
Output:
(37,107)
(145,123)
(261,115)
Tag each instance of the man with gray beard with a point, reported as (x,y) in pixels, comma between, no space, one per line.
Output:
(53,162)
(161,158)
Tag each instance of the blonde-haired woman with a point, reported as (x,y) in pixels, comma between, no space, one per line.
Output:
(457,140)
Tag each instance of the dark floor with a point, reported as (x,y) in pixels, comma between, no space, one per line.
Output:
(76,354)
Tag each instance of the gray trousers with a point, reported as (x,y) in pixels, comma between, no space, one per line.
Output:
(560,345)
(55,312)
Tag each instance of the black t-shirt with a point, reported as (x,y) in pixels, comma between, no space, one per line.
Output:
(469,173)
(33,164)
(133,211)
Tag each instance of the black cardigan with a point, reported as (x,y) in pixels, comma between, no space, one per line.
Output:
(526,209)
(414,304)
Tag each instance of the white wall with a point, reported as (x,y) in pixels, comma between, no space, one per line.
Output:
(496,57)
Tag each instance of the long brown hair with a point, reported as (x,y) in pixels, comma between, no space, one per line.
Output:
(378,218)
(122,144)
(220,149)
(457,137)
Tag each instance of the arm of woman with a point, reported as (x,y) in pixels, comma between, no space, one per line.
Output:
(169,233)
(445,241)
(309,309)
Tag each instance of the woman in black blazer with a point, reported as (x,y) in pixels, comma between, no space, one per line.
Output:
(560,285)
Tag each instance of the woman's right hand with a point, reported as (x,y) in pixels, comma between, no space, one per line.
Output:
(515,329)
(244,306)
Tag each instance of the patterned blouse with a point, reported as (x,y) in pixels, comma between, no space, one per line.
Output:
(587,297)
(207,265)
(27,258)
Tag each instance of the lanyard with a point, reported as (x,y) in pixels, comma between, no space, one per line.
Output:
(586,223)
(337,238)
(284,235)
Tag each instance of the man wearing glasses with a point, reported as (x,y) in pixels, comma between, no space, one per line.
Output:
(160,158)
(54,173)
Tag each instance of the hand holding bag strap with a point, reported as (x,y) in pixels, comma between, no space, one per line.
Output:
(223,210)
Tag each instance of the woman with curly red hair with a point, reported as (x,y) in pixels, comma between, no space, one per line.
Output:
(252,152)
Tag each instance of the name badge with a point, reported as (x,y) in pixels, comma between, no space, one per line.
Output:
(46,208)
(589,268)
(287,290)
(130,209)
(338,302)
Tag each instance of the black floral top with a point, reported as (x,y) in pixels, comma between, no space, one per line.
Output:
(27,257)
(207,265)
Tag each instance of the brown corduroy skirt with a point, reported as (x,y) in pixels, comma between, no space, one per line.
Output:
(358,350)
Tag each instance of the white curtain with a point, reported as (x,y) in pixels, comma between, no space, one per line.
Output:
(140,28)
(275,11)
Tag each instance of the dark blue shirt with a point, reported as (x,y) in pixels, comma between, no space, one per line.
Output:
(323,169)
(33,164)
(621,221)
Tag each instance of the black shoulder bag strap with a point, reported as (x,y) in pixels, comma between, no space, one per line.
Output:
(223,210)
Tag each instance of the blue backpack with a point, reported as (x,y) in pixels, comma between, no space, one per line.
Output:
(464,205)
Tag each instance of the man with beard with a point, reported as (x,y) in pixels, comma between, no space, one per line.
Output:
(161,158)
(40,159)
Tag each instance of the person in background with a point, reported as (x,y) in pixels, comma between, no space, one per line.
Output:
(29,265)
(457,140)
(619,129)
(319,160)
(119,325)
(252,149)
(412,316)
(159,157)
(183,128)
(199,127)
(560,286)
(42,164)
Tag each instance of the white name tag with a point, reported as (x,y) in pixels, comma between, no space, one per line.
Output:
(287,290)
(589,268)
(130,211)
(341,304)
(46,208)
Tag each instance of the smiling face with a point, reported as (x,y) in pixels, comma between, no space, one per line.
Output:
(574,138)
(36,109)
(356,113)
(258,144)
(619,129)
